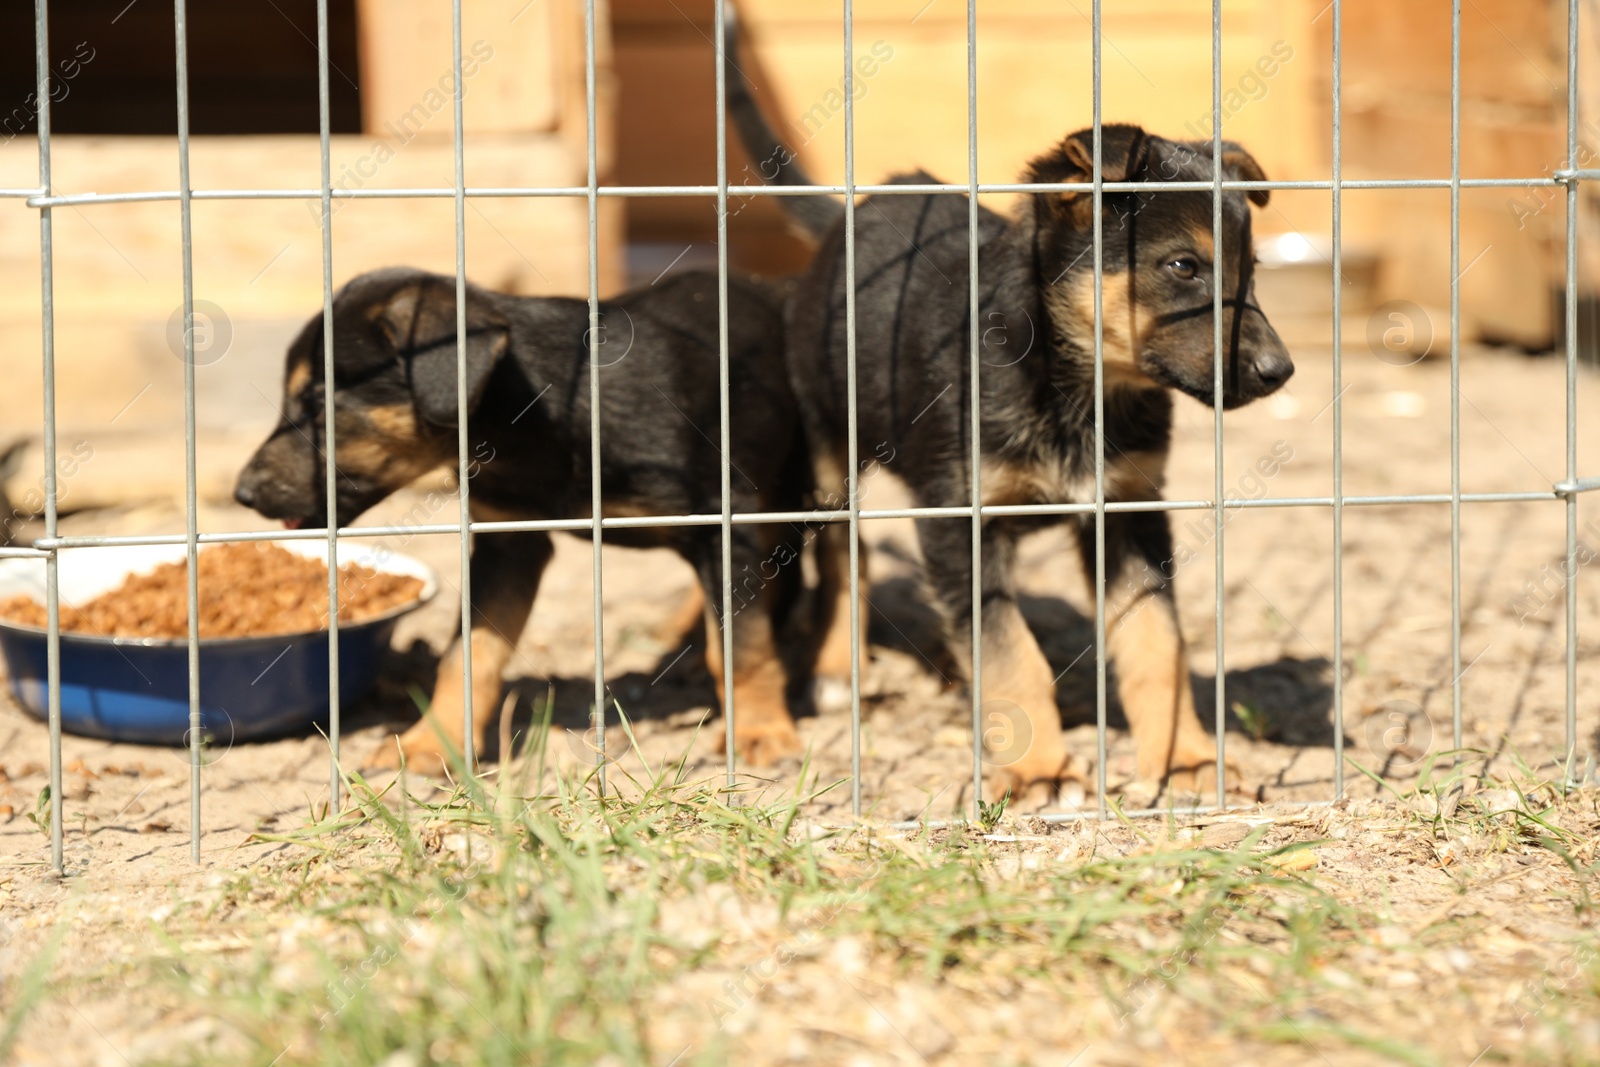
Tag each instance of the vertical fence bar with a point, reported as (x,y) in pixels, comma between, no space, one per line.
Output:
(723,372)
(1455,374)
(975,411)
(852,449)
(1219,263)
(191,502)
(598,716)
(1098,194)
(1336,171)
(330,470)
(1570,762)
(469,753)
(41,30)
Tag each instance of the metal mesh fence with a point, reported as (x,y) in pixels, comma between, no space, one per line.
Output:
(46,201)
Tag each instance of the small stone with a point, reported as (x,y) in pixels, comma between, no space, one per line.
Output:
(1224,835)
(1339,979)
(848,956)
(1390,936)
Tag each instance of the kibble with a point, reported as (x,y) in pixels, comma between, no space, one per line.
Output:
(246,590)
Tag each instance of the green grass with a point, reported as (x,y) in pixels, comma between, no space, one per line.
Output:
(495,930)
(687,924)
(1454,802)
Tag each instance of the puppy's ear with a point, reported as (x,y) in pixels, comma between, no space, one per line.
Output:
(419,322)
(1124,151)
(1239,165)
(1121,151)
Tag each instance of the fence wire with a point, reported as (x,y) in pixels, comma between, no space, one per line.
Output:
(45,200)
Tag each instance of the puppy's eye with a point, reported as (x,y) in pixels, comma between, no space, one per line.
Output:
(1184,267)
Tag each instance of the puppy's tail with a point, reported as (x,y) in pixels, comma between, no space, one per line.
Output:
(774,163)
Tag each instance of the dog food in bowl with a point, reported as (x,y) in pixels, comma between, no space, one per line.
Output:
(265,651)
(246,590)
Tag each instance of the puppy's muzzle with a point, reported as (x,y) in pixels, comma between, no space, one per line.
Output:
(1273,369)
(245,491)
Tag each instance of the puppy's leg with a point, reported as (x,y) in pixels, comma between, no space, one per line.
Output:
(784,546)
(506,568)
(763,731)
(1024,747)
(831,621)
(683,624)
(1146,646)
(831,673)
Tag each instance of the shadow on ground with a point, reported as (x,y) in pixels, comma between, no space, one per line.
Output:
(1289,701)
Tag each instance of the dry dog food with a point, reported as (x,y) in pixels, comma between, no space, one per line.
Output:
(246,590)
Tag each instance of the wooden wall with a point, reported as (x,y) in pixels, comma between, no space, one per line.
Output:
(1396,124)
(1034,86)
(118,268)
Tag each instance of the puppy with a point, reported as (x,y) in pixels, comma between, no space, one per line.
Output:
(528,368)
(1037,403)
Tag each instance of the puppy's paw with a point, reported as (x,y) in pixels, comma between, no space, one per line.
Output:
(764,744)
(424,753)
(1199,777)
(1038,781)
(830,694)
(386,757)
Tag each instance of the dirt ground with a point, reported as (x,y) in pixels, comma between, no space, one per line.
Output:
(125,801)
(127,807)
(1436,932)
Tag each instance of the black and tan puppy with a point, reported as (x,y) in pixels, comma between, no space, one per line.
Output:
(395,411)
(1036,320)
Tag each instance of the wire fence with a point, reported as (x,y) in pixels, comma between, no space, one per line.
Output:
(46,200)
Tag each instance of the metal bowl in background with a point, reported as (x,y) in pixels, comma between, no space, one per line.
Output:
(137,688)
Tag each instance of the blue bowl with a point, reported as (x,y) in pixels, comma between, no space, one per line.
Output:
(137,688)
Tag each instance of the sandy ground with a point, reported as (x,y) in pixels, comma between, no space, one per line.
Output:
(127,807)
(126,802)
(1428,933)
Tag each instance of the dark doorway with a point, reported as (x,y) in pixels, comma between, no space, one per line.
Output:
(252,67)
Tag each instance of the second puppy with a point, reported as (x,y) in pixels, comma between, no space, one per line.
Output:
(528,370)
(1037,307)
